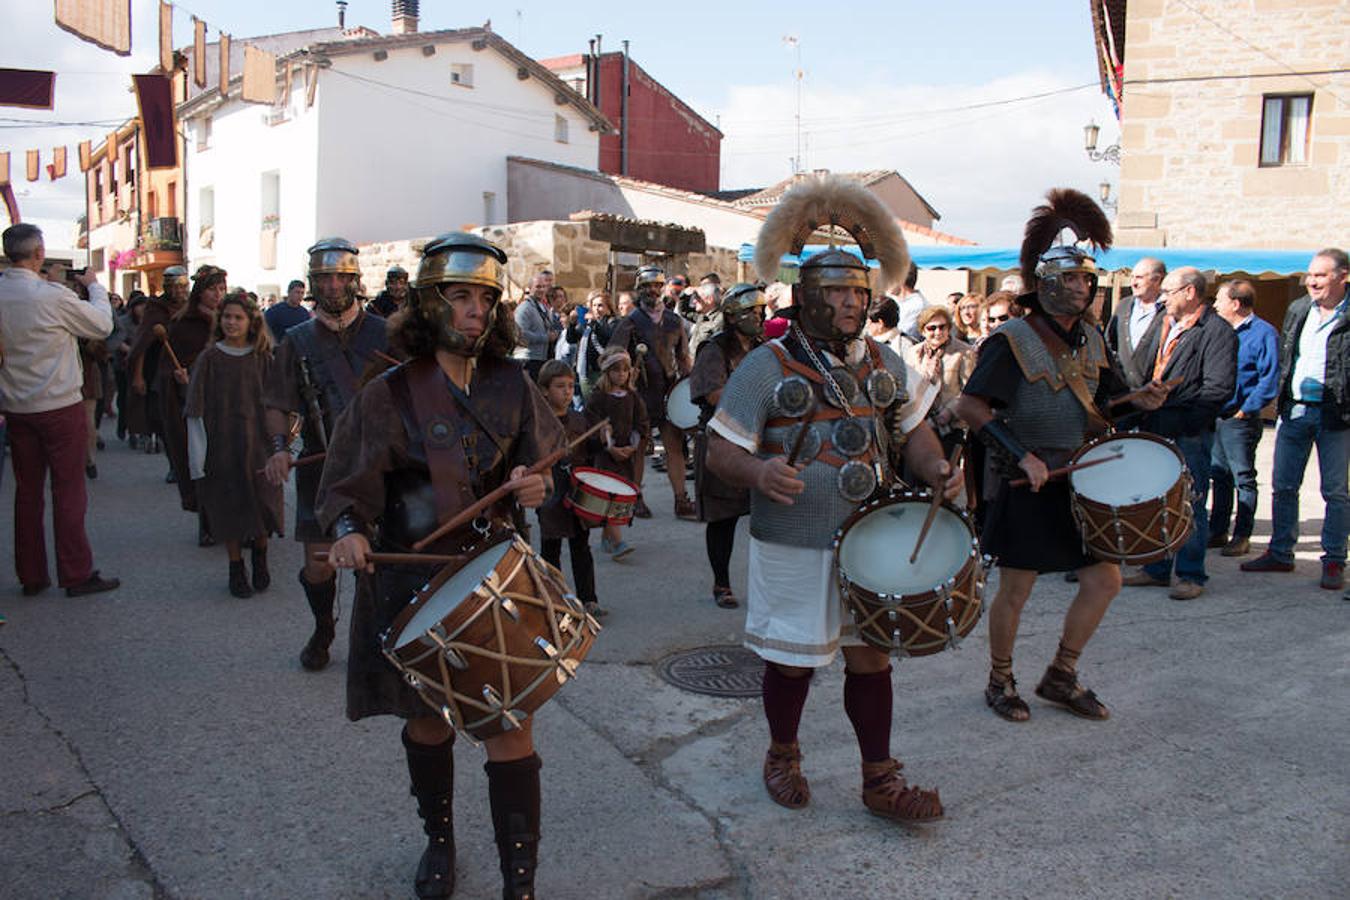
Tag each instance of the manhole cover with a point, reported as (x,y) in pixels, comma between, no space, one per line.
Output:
(725,671)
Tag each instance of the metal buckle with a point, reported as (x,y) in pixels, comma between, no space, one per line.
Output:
(793,396)
(856,481)
(882,388)
(810,446)
(851,437)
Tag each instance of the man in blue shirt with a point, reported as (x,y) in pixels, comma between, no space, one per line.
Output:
(1314,410)
(281,317)
(1233,463)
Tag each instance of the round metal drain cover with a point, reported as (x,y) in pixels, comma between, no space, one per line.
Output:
(722,671)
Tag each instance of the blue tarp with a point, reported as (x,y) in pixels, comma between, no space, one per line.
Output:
(1252,262)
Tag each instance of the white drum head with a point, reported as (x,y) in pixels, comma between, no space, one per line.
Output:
(607,483)
(1147,471)
(682,412)
(875,551)
(452,593)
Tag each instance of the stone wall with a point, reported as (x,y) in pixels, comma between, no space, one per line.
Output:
(1190,173)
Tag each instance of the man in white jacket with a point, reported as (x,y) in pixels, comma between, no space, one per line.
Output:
(40,379)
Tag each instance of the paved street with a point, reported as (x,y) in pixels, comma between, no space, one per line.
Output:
(162,741)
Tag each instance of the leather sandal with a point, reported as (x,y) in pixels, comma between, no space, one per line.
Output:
(1003,699)
(783,777)
(725,598)
(1062,689)
(886,793)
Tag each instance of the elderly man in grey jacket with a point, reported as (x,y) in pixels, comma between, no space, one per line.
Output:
(538,326)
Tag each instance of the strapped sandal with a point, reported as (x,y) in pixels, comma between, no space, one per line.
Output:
(1004,700)
(783,777)
(886,793)
(725,598)
(1062,689)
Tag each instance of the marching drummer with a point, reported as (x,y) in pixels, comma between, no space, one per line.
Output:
(1049,375)
(417,445)
(614,399)
(824,379)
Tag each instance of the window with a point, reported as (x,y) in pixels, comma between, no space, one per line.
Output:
(152,204)
(98,187)
(1285,119)
(96,259)
(206,204)
(489,208)
(271,200)
(560,129)
(129,162)
(461,74)
(171,200)
(204,133)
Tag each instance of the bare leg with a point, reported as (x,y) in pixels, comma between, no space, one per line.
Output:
(1005,613)
(672,437)
(1098,585)
(235,550)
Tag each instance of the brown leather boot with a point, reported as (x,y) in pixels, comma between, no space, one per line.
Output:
(886,793)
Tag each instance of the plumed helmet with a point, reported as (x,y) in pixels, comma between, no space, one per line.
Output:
(738,309)
(333,255)
(1046,258)
(458,258)
(653,275)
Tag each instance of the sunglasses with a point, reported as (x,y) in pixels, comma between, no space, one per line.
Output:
(993,320)
(937,328)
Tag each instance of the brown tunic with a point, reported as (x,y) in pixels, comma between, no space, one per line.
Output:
(627,416)
(377,469)
(188,336)
(226,394)
(147,346)
(555,519)
(716,499)
(666,359)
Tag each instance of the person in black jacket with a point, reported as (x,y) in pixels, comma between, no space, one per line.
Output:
(1199,349)
(1133,331)
(1314,409)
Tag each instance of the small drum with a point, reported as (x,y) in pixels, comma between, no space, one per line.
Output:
(903,609)
(1136,509)
(681,410)
(601,498)
(488,644)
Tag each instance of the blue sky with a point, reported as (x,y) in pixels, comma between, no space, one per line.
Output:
(919,88)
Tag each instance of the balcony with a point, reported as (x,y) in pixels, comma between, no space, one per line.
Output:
(160,244)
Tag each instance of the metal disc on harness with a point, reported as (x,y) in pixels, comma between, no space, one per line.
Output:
(793,396)
(851,437)
(810,445)
(857,481)
(848,386)
(882,388)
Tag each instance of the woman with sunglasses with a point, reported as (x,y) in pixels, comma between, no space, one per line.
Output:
(996,309)
(946,362)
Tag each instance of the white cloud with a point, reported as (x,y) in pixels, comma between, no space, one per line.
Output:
(982,168)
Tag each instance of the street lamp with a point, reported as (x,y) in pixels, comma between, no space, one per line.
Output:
(1090,133)
(1104,192)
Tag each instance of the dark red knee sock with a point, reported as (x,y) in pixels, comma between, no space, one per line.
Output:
(784,698)
(867,701)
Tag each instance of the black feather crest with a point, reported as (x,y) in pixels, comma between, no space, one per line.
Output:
(1064,208)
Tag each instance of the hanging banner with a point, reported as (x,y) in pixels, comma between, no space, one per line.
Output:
(11,203)
(57,167)
(154,96)
(224,65)
(198,52)
(34,165)
(106,23)
(28,88)
(260,76)
(86,155)
(165,37)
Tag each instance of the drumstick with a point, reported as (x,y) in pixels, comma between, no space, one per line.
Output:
(163,335)
(386,357)
(506,487)
(1065,470)
(933,507)
(395,559)
(1133,395)
(807,418)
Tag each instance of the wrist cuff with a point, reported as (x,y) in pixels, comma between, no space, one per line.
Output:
(348,523)
(997,433)
(279,444)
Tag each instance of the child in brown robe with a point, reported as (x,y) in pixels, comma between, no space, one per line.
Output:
(227,440)
(556,521)
(613,398)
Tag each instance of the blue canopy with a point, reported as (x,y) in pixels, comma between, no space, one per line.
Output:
(1252,262)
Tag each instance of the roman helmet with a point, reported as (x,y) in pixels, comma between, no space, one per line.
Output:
(1046,258)
(396,273)
(337,256)
(738,309)
(647,285)
(458,258)
(831,203)
(176,283)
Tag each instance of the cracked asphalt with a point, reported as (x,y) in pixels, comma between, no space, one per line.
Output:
(162,742)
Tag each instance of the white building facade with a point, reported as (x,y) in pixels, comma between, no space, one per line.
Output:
(398,136)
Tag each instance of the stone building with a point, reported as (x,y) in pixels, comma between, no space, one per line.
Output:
(1234,120)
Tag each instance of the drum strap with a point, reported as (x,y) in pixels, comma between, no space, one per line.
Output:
(1071,371)
(438,416)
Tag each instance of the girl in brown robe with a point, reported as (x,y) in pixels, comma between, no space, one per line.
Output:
(227,442)
(613,398)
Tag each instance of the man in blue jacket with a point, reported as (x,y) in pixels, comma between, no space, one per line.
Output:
(1314,409)
(1238,431)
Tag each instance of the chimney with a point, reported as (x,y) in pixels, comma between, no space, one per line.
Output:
(342,13)
(405,16)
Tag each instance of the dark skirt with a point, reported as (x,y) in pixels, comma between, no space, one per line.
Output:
(175,441)
(1026,530)
(374,686)
(716,499)
(307,528)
